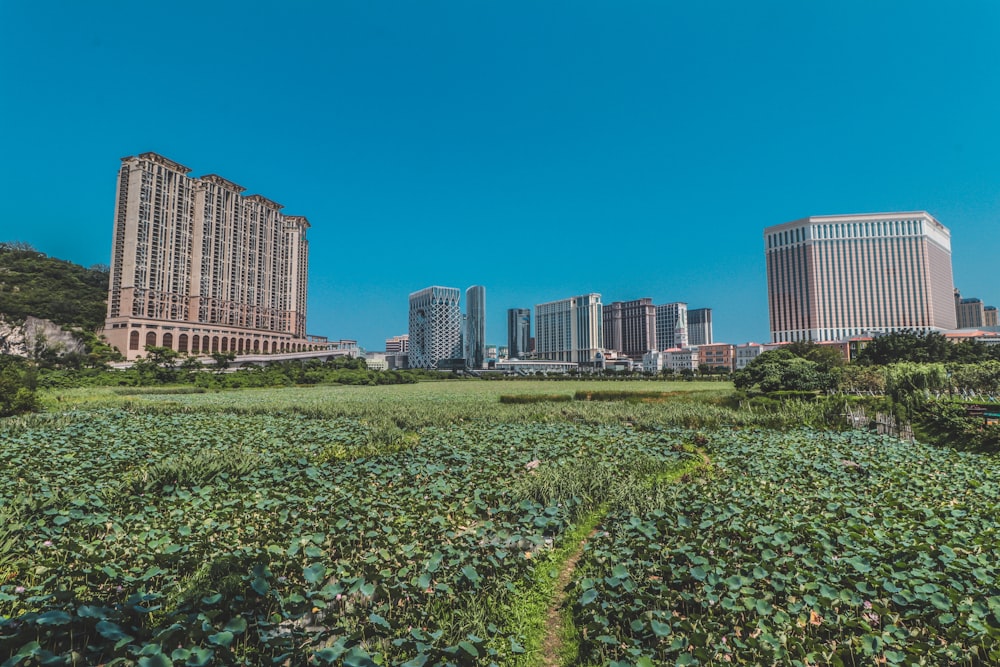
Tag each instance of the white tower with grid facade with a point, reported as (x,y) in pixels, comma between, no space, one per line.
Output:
(435,326)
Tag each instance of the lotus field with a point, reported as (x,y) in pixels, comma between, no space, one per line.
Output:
(433,525)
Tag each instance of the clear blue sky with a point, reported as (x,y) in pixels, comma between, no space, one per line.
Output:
(542,149)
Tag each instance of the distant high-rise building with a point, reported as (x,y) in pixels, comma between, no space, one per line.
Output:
(570,329)
(671,325)
(990,316)
(199,267)
(969,313)
(518,332)
(630,327)
(435,326)
(832,277)
(700,326)
(475,326)
(397,344)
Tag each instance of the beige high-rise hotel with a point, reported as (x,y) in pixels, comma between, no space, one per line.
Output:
(199,267)
(831,277)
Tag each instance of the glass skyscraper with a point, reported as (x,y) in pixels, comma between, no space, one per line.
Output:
(518,332)
(475,326)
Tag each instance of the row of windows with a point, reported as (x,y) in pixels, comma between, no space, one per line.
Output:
(847,230)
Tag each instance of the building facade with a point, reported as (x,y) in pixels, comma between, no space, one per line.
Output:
(630,327)
(199,267)
(435,327)
(475,326)
(680,359)
(570,330)
(832,277)
(717,355)
(969,313)
(700,326)
(671,325)
(990,316)
(397,344)
(518,332)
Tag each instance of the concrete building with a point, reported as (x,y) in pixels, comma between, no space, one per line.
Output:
(535,366)
(671,325)
(377,361)
(680,359)
(475,327)
(972,313)
(435,327)
(717,355)
(745,353)
(518,332)
(397,344)
(700,326)
(199,267)
(832,277)
(654,361)
(630,327)
(570,330)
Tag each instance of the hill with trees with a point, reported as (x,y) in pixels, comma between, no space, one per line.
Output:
(33,284)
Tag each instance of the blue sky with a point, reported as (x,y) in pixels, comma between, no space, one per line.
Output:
(542,149)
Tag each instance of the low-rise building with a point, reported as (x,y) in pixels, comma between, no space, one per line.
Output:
(533,366)
(680,359)
(716,355)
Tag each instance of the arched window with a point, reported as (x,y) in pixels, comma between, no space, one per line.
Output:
(215,343)
(182,343)
(239,346)
(151,338)
(133,340)
(195,344)
(168,340)
(256,346)
(264,347)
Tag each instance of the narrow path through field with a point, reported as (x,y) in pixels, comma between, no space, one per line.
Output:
(552,642)
(555,625)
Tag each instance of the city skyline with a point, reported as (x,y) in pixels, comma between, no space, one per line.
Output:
(592,147)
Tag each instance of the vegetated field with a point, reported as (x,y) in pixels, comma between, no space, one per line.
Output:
(414,524)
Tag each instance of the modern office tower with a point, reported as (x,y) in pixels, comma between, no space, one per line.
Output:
(700,326)
(630,327)
(397,344)
(199,267)
(990,316)
(435,326)
(671,325)
(832,277)
(570,330)
(518,332)
(475,326)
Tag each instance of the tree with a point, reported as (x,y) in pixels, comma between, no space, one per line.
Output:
(17,395)
(826,357)
(222,360)
(782,370)
(906,346)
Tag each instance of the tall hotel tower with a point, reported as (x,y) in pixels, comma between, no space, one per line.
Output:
(435,326)
(198,267)
(630,327)
(570,329)
(830,277)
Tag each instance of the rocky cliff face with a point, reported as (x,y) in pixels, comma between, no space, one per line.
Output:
(35,335)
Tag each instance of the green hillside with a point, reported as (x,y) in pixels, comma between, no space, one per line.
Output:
(68,294)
